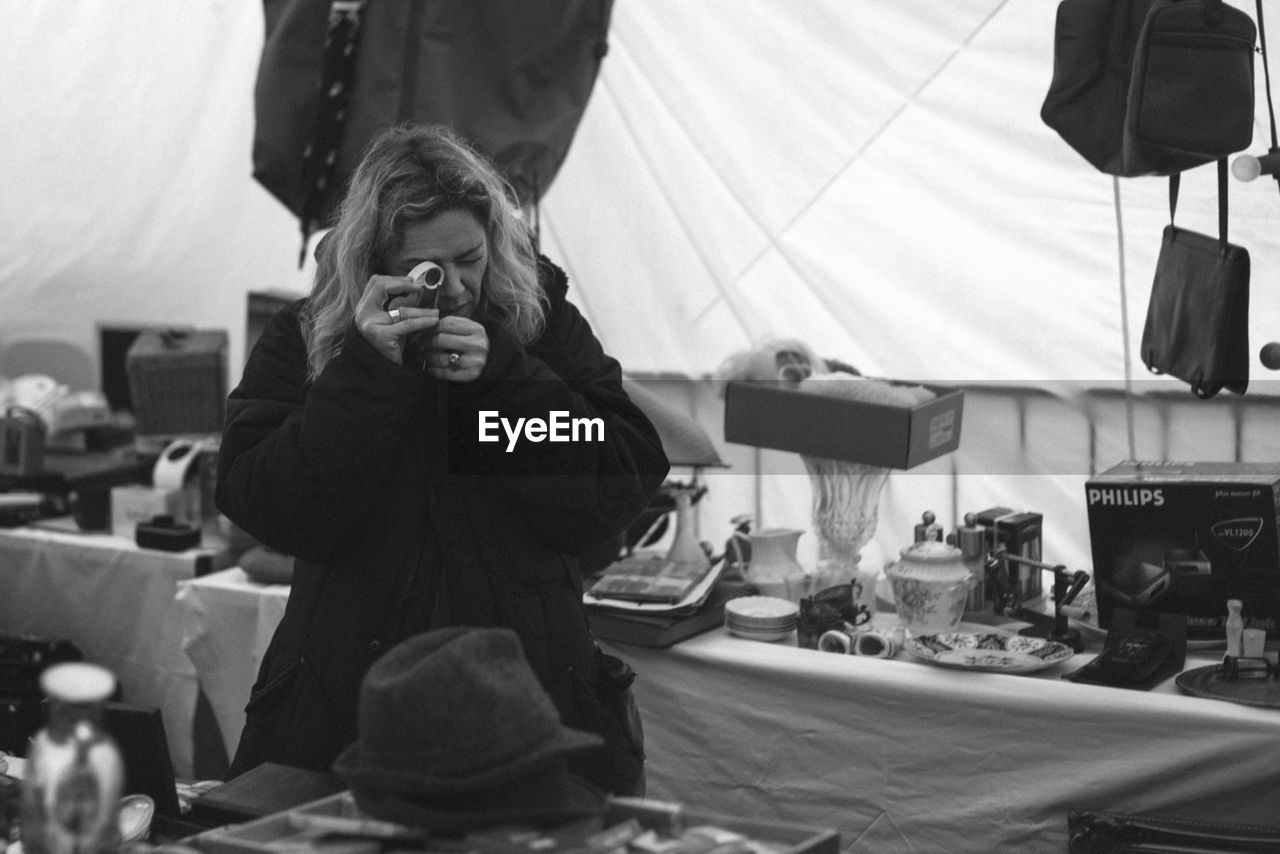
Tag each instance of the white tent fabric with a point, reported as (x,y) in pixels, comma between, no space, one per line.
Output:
(870,176)
(126,128)
(873,177)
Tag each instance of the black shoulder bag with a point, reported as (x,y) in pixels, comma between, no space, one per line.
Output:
(1197,325)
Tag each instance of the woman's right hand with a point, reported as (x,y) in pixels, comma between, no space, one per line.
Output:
(388,329)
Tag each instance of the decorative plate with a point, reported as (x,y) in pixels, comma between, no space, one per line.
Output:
(993,652)
(1208,682)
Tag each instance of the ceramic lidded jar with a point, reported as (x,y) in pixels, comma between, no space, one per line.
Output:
(930,586)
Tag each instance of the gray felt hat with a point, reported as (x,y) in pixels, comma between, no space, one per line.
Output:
(455,732)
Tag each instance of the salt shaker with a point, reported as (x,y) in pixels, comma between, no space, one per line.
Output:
(1235,627)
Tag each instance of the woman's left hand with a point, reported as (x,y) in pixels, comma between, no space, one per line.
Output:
(458,349)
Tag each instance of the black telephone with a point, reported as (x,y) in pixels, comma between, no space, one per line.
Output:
(1137,654)
(1133,656)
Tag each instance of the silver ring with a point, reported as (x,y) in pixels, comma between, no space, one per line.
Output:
(395,313)
(455,360)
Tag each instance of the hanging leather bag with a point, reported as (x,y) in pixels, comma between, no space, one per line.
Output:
(1197,325)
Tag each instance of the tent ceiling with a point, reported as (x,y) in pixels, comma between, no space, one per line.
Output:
(871,176)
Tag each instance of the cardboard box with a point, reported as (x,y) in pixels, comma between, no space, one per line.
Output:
(1184,538)
(265,790)
(776,415)
(666,818)
(335,825)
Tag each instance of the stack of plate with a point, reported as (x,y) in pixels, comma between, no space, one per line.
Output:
(762,618)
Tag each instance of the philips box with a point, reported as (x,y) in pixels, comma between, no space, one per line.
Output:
(1183,538)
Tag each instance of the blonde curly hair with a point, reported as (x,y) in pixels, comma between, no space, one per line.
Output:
(409,174)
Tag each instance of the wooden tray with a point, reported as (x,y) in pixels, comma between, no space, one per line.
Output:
(1208,682)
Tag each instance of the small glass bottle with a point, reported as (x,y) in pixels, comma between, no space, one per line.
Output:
(1235,627)
(75,774)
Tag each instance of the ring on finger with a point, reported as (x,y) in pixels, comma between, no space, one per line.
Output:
(455,360)
(395,313)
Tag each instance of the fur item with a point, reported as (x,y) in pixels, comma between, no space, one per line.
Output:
(866,389)
(769,360)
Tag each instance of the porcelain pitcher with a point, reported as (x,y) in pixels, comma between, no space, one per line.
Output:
(774,569)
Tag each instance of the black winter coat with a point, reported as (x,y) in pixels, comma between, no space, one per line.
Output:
(400,520)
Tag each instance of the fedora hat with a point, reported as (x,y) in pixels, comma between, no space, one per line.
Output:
(455,733)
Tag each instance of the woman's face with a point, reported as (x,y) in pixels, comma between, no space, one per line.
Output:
(456,240)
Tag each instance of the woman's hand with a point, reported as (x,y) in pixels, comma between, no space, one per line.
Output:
(389,328)
(458,350)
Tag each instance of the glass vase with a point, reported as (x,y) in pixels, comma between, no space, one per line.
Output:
(846,503)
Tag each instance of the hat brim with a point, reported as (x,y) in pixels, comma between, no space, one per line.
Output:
(362,771)
(576,799)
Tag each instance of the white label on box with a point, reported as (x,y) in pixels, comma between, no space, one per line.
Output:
(942,428)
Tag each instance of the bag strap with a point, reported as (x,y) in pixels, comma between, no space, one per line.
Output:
(1222,205)
(1175,181)
(1266,77)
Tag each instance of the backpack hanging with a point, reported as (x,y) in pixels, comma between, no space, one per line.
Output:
(1190,87)
(1093,47)
(1151,87)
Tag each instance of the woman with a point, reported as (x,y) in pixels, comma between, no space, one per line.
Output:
(357,443)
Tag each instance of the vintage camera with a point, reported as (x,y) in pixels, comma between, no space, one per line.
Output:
(22,441)
(429,279)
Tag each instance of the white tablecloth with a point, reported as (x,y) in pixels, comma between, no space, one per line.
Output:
(227,622)
(115,602)
(902,756)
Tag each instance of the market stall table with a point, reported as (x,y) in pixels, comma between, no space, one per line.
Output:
(227,622)
(114,601)
(903,756)
(900,756)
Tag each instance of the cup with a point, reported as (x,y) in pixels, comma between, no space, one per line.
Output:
(1253,643)
(870,644)
(838,641)
(863,596)
(831,608)
(875,645)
